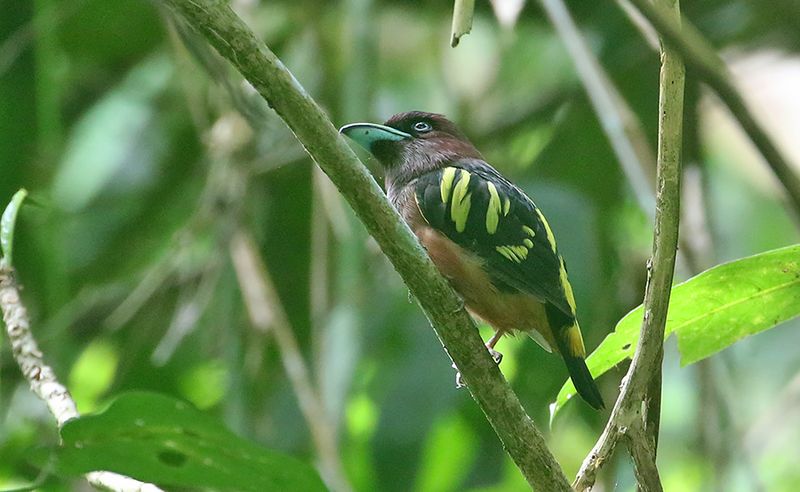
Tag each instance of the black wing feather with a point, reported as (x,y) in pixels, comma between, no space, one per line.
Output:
(539,272)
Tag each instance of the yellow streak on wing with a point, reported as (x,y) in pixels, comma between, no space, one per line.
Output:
(506,205)
(575,341)
(529,231)
(528,243)
(493,209)
(520,251)
(446,185)
(550,237)
(509,253)
(517,254)
(460,202)
(566,286)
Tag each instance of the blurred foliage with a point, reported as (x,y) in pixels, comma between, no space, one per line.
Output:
(144,152)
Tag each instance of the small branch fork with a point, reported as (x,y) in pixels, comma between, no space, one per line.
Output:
(42,378)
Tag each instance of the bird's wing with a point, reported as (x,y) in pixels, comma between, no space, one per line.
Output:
(481,211)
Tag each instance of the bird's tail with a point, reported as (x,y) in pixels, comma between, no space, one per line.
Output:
(570,344)
(583,381)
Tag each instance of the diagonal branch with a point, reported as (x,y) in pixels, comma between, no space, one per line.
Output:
(234,41)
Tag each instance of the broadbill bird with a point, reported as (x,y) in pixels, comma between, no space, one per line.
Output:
(483,233)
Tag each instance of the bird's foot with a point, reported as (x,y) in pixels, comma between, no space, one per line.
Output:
(459,380)
(496,356)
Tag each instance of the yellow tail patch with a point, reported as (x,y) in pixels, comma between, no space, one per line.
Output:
(575,341)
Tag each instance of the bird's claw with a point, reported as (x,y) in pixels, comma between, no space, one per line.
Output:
(496,356)
(459,379)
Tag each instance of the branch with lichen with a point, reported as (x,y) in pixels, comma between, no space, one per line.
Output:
(635,416)
(41,377)
(233,40)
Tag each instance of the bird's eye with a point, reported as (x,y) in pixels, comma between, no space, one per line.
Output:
(422,127)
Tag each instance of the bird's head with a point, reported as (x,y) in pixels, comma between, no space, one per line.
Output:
(412,143)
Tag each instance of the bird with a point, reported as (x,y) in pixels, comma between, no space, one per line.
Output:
(483,233)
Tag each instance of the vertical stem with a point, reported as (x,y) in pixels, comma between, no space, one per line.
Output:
(636,412)
(670,137)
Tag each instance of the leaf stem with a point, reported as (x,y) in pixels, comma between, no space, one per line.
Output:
(8,222)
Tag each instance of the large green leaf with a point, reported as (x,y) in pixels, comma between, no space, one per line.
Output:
(159,439)
(711,311)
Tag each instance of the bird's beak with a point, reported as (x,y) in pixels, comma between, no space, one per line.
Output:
(367,134)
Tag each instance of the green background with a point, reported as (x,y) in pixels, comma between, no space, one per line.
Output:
(143,152)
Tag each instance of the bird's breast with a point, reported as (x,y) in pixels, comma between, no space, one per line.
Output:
(467,274)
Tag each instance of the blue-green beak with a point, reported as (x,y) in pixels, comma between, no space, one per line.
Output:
(367,134)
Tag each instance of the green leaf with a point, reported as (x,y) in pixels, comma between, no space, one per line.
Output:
(159,439)
(7,223)
(711,311)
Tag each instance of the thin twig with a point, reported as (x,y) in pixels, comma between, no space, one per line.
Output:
(709,67)
(42,378)
(267,74)
(636,411)
(672,80)
(267,315)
